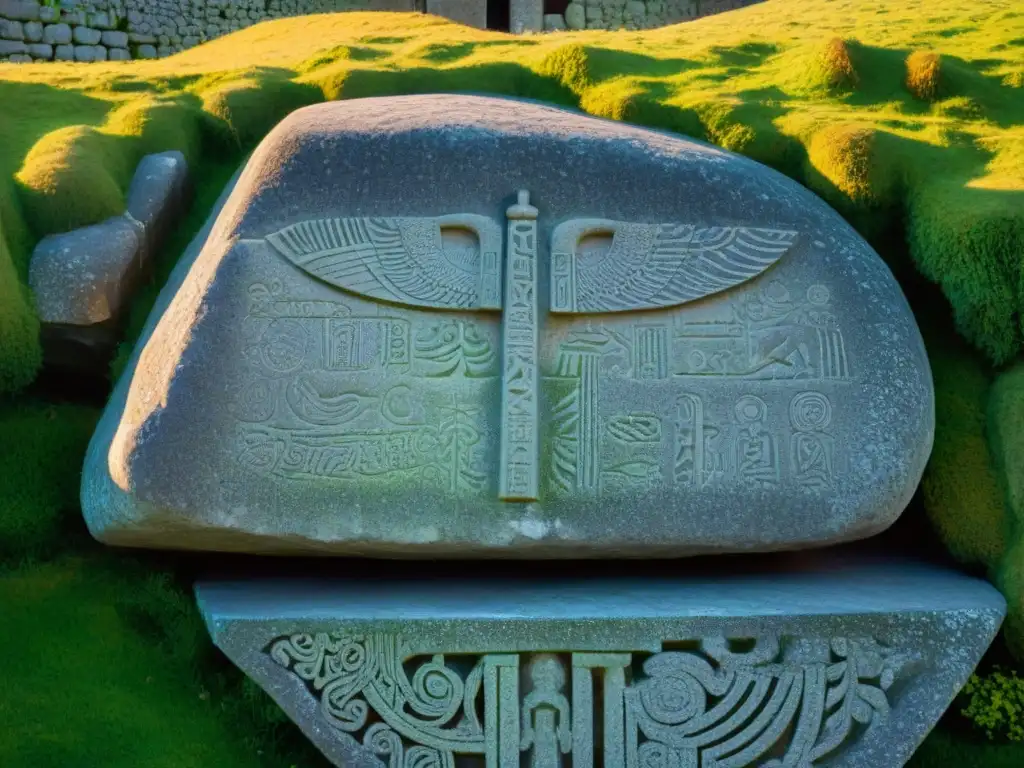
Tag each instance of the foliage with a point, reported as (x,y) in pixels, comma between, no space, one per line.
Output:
(995,704)
(924,75)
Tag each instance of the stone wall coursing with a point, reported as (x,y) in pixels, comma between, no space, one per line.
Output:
(118,30)
(102,30)
(635,14)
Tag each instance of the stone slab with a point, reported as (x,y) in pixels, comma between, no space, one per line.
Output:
(471,13)
(159,195)
(838,663)
(85,276)
(688,352)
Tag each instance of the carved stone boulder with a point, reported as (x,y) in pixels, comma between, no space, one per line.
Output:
(457,325)
(829,663)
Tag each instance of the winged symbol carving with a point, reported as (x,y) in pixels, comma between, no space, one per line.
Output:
(401,260)
(656,265)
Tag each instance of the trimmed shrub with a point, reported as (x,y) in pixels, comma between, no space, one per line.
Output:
(924,75)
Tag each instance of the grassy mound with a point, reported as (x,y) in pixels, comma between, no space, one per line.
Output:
(906,117)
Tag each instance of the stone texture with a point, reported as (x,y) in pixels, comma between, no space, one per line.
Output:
(113,39)
(87,36)
(146,52)
(575,16)
(790,408)
(789,663)
(33,31)
(159,195)
(526,16)
(471,13)
(119,54)
(19,10)
(57,34)
(11,30)
(41,50)
(64,53)
(84,277)
(554,22)
(12,47)
(20,58)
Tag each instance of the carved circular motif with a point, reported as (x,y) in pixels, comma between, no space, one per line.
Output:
(437,691)
(673,699)
(255,402)
(750,409)
(810,411)
(284,345)
(818,294)
(654,754)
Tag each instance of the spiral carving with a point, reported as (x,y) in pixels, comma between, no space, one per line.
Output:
(385,743)
(437,692)
(673,700)
(654,754)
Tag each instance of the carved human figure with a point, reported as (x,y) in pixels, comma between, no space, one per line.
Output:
(757,454)
(811,448)
(546,724)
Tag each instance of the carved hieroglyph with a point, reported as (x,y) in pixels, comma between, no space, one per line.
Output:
(450,262)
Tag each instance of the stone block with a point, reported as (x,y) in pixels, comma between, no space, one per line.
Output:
(11,30)
(76,18)
(19,10)
(99,53)
(119,54)
(146,51)
(594,13)
(554,22)
(142,39)
(114,39)
(470,13)
(49,14)
(57,34)
(12,47)
(636,9)
(40,50)
(102,21)
(20,58)
(840,664)
(526,16)
(158,195)
(85,277)
(86,36)
(64,53)
(33,31)
(575,16)
(723,364)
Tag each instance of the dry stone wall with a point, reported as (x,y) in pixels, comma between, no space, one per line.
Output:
(118,30)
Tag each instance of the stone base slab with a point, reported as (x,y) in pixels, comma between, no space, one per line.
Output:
(821,662)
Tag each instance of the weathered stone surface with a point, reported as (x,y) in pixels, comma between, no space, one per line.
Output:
(87,36)
(20,58)
(838,664)
(772,393)
(11,30)
(12,47)
(575,16)
(19,10)
(468,12)
(64,53)
(146,52)
(119,54)
(526,16)
(554,22)
(113,39)
(83,277)
(41,50)
(57,34)
(33,31)
(158,195)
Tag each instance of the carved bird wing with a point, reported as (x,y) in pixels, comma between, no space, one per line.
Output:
(401,260)
(656,265)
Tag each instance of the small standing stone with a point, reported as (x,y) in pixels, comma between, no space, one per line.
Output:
(575,16)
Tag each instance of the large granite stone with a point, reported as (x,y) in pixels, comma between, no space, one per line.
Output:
(830,663)
(159,195)
(687,352)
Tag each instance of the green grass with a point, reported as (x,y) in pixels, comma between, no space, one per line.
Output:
(908,117)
